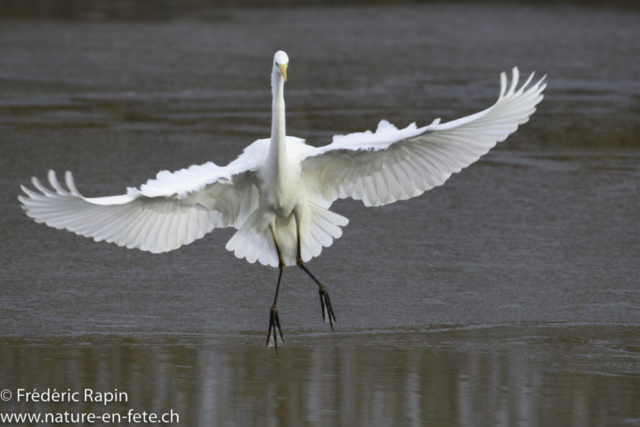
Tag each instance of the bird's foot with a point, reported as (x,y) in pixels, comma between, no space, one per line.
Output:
(325,303)
(274,322)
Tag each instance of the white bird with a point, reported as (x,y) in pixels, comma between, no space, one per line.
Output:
(278,192)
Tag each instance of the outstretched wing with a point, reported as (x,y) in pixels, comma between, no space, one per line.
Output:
(172,210)
(391,164)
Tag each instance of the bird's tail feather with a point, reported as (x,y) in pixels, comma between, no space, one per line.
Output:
(318,228)
(254,242)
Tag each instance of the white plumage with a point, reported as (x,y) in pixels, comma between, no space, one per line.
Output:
(174,209)
(279,183)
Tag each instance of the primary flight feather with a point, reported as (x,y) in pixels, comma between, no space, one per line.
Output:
(278,192)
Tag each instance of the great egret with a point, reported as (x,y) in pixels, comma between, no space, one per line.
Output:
(277,193)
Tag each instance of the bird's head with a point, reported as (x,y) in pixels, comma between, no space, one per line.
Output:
(281,60)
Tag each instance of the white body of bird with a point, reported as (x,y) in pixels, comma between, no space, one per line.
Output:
(281,183)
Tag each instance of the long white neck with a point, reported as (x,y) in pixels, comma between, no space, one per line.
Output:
(278,148)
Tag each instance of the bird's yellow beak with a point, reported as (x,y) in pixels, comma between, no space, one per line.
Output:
(283,70)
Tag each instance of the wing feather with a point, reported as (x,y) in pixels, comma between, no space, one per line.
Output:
(167,212)
(391,164)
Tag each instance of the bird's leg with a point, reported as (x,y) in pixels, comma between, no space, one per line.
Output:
(274,320)
(325,301)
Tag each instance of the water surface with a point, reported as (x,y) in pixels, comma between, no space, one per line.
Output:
(508,296)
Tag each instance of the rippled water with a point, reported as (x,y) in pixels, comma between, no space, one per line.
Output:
(508,296)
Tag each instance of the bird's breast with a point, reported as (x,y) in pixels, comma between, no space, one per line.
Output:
(279,190)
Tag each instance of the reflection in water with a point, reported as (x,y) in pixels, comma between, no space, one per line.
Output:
(491,376)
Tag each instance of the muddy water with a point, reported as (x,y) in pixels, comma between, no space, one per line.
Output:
(508,296)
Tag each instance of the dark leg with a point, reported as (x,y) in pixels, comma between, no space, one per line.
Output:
(325,301)
(274,320)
